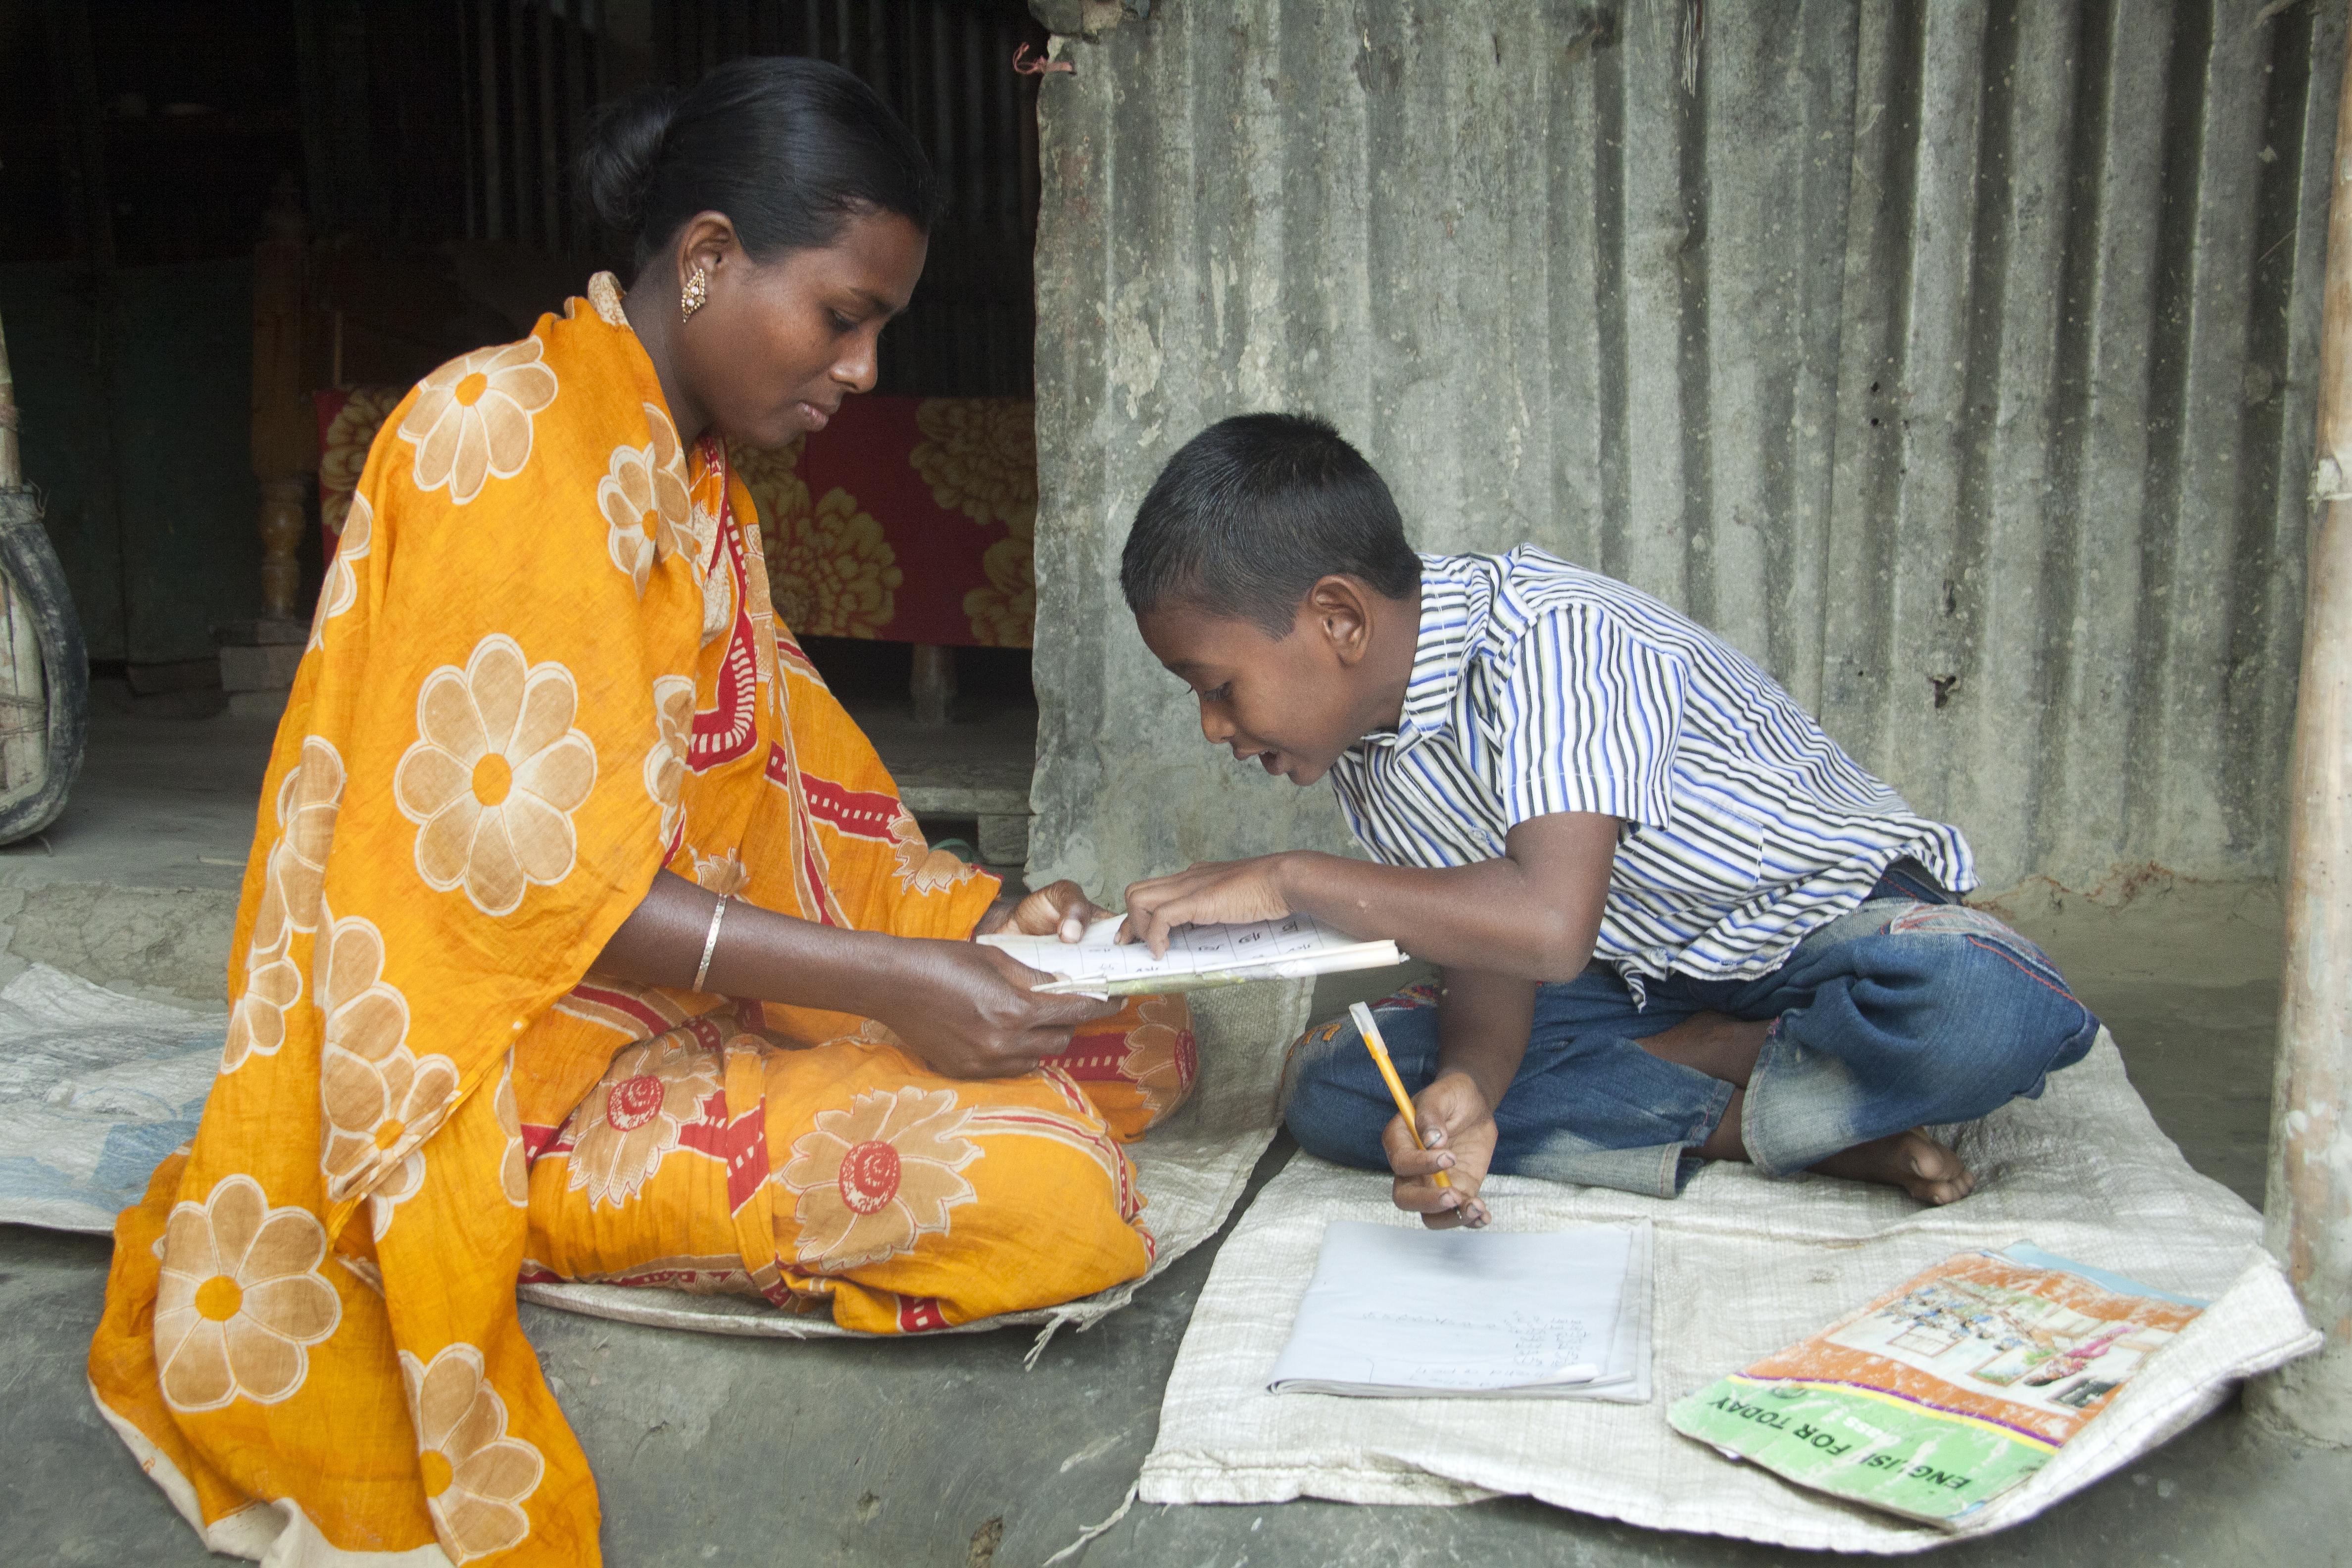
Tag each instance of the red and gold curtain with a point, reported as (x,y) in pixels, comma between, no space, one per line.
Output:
(907,519)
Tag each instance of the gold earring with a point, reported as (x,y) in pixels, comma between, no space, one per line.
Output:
(696,290)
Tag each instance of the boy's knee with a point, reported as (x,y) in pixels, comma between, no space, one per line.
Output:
(1310,1055)
(1331,1126)
(2020,1018)
(2024,986)
(1333,1100)
(1322,1110)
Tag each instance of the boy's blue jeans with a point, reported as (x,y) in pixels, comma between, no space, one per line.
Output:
(1911,1010)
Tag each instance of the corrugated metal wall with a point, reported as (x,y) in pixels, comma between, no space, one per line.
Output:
(946,67)
(1956,360)
(531,72)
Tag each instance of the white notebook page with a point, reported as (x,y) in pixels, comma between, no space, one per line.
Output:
(1397,1309)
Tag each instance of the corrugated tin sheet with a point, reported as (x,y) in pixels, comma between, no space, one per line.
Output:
(945,67)
(1955,360)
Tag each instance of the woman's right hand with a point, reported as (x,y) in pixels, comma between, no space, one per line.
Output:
(963,1007)
(968,1010)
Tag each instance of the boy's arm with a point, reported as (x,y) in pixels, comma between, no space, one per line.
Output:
(1532,912)
(1483,1023)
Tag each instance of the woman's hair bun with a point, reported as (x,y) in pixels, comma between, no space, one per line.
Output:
(622,154)
(789,149)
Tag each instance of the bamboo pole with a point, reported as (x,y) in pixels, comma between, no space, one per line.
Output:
(2308,1207)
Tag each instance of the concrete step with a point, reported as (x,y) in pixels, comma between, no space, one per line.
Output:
(996,799)
(978,770)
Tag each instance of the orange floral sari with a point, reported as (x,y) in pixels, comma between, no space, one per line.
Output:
(544,666)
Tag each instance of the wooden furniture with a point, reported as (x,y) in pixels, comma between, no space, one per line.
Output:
(285,451)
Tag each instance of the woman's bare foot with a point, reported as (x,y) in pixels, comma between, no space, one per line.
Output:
(1912,1161)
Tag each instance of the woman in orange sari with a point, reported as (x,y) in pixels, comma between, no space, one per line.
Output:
(584,936)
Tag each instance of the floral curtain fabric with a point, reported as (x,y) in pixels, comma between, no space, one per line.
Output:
(907,519)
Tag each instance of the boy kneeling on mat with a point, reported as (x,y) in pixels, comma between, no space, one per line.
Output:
(1676,921)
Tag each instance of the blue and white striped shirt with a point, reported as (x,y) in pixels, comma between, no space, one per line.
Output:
(1539,686)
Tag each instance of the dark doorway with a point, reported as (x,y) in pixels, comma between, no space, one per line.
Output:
(422,151)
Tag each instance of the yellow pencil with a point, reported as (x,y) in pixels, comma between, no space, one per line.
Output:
(1380,1049)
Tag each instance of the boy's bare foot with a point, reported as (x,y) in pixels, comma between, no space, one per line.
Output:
(1912,1161)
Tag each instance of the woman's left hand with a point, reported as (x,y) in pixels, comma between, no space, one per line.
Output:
(1056,908)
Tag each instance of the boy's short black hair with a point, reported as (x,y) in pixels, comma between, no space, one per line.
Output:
(1251,511)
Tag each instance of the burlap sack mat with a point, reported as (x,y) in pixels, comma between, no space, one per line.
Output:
(1745,1266)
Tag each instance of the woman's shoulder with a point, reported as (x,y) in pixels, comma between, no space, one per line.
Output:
(513,426)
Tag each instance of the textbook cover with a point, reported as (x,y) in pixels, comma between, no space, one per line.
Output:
(1942,1395)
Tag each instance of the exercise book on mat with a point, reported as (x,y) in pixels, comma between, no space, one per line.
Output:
(1398,1312)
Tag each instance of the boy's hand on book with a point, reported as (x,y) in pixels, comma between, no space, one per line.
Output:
(1059,909)
(1219,892)
(1458,1126)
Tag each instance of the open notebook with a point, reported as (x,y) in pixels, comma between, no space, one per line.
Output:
(1292,948)
(1397,1311)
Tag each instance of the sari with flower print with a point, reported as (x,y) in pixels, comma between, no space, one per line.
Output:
(544,666)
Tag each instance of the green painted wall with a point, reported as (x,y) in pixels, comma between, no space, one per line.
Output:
(55,355)
(135,392)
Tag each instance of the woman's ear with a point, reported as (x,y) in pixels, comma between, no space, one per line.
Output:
(1342,611)
(706,240)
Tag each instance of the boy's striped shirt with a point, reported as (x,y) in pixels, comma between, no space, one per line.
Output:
(1539,686)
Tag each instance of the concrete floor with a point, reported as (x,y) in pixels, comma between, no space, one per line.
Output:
(945,1451)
